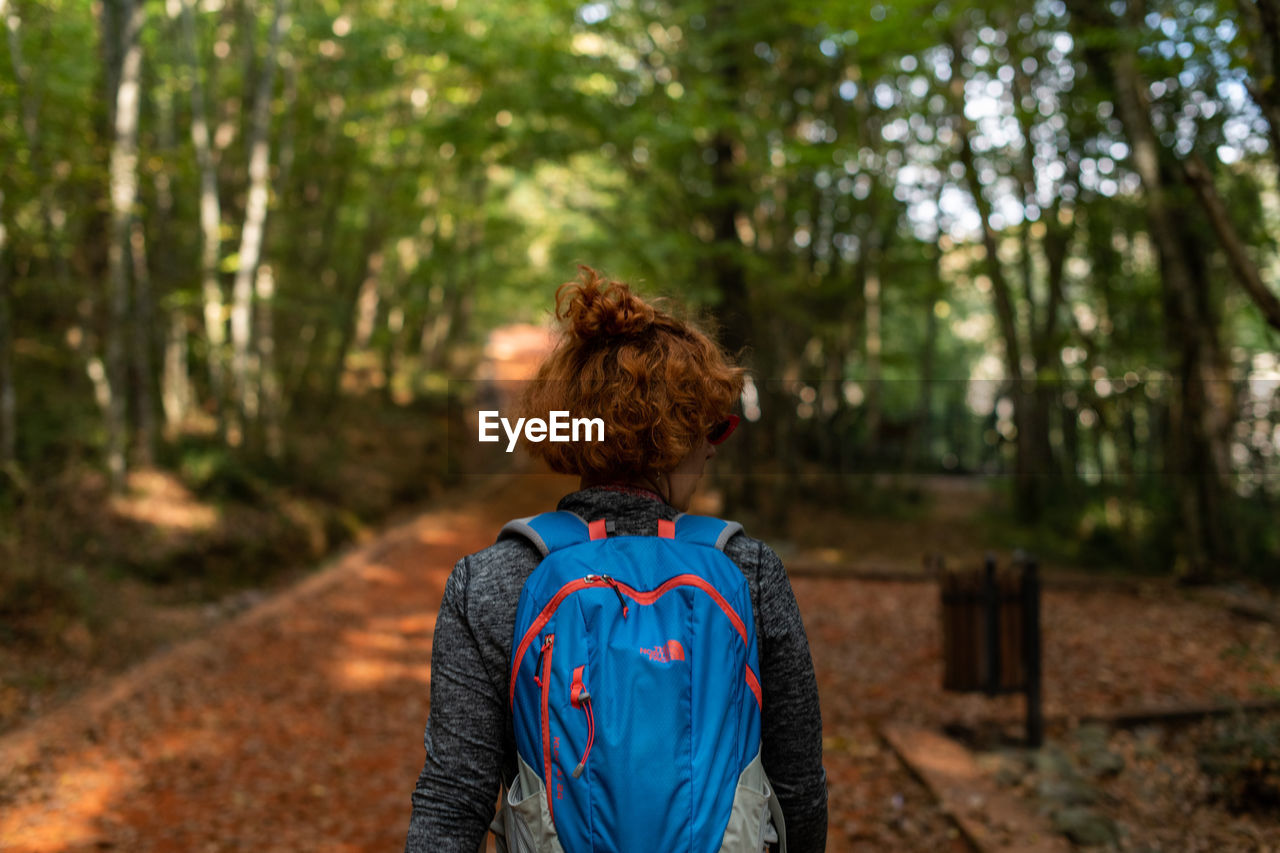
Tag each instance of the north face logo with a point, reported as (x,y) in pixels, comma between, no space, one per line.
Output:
(672,651)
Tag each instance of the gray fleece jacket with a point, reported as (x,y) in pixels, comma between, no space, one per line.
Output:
(469,739)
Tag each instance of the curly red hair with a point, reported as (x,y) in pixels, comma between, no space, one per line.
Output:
(657,381)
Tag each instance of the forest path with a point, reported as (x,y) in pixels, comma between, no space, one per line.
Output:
(296,726)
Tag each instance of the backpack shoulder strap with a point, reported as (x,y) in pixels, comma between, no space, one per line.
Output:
(548,531)
(705,530)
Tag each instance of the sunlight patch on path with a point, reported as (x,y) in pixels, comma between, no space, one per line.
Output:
(297,725)
(70,813)
(364,673)
(372,658)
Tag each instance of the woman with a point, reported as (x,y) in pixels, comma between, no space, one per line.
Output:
(663,389)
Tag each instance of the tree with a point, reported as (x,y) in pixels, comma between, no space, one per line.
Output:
(123,173)
(1205,412)
(210,215)
(247,386)
(8,404)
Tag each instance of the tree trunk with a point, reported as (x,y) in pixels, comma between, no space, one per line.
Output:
(831,403)
(727,272)
(245,13)
(175,395)
(734,308)
(1246,271)
(372,253)
(114,16)
(1046,360)
(1127,447)
(143,330)
(435,324)
(1070,425)
(288,133)
(272,436)
(319,264)
(367,309)
(210,221)
(265,290)
(8,397)
(1046,348)
(8,405)
(1028,498)
(1201,410)
(870,265)
(254,227)
(460,319)
(143,338)
(175,382)
(389,345)
(920,449)
(124,194)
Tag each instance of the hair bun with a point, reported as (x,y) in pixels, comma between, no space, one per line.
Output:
(596,308)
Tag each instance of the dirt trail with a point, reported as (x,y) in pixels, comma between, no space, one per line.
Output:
(297,726)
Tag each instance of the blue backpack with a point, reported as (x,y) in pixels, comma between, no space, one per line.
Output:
(635,695)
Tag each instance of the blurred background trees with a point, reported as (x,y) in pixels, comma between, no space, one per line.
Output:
(1002,239)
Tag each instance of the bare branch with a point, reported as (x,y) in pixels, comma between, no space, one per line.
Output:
(1246,271)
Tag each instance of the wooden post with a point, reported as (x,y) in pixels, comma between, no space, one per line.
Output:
(991,626)
(1031,650)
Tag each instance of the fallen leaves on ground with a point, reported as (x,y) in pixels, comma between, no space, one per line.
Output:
(298,725)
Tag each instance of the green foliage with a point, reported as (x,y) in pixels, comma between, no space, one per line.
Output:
(215,471)
(437,168)
(1259,541)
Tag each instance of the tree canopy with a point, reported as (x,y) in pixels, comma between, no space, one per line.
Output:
(1027,240)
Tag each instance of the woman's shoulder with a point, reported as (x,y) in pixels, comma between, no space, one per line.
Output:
(752,555)
(510,557)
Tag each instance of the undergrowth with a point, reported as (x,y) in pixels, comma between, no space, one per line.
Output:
(1242,758)
(207,519)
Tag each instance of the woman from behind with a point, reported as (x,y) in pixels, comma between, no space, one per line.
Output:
(665,393)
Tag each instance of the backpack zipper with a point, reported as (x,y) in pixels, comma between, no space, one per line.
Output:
(614,585)
(580,698)
(544,658)
(544,617)
(650,596)
(640,597)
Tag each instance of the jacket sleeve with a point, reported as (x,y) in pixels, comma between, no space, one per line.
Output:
(457,790)
(791,722)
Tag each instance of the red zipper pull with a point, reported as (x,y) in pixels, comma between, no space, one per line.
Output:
(546,644)
(580,698)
